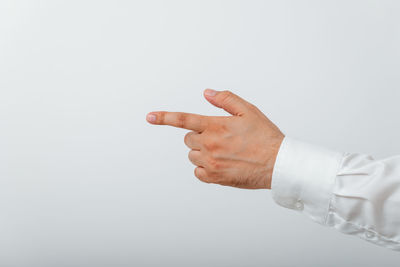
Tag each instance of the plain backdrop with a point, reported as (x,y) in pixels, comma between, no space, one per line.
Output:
(85,181)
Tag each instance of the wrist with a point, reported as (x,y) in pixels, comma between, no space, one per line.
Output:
(273,150)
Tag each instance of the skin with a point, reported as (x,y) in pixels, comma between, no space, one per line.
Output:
(238,150)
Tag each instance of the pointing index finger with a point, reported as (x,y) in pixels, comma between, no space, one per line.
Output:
(183,120)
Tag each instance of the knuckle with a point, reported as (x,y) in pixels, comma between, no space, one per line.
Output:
(226,96)
(253,108)
(181,120)
(207,145)
(210,145)
(213,163)
(217,127)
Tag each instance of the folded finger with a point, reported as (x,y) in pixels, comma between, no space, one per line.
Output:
(196,158)
(192,140)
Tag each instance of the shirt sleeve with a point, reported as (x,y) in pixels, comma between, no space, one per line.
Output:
(350,192)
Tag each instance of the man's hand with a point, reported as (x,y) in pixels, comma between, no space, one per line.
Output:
(238,150)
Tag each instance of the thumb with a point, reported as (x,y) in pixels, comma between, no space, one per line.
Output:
(227,100)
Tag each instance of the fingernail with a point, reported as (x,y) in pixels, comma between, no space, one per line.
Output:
(151,118)
(210,92)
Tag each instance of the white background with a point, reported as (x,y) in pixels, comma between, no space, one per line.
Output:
(85,181)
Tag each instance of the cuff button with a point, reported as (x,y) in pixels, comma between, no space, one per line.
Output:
(299,205)
(369,234)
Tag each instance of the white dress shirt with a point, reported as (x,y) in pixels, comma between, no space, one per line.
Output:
(353,193)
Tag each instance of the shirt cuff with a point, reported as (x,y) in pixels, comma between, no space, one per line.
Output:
(304,176)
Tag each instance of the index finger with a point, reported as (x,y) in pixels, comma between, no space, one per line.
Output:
(183,120)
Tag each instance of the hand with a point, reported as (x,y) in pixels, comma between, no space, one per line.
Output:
(238,150)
